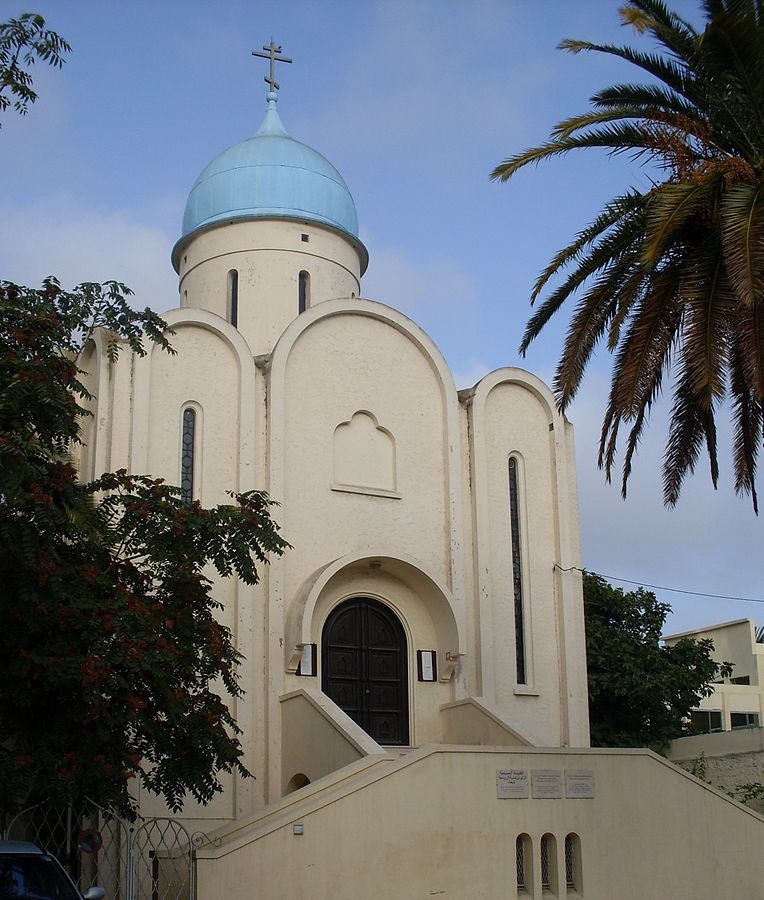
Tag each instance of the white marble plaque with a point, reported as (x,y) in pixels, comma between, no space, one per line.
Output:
(579,784)
(546,784)
(512,784)
(427,663)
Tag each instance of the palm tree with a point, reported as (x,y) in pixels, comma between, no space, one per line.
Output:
(672,278)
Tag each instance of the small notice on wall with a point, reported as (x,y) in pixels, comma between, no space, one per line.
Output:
(579,784)
(512,784)
(546,784)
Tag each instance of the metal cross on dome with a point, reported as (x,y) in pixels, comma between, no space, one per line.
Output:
(273,54)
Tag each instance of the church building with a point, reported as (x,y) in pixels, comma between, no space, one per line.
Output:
(415,707)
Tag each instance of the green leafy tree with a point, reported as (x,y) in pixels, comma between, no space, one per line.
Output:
(640,692)
(113,665)
(22,41)
(674,274)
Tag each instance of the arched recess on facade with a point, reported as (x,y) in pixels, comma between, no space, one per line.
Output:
(242,354)
(277,377)
(94,454)
(561,435)
(513,375)
(308,608)
(485,485)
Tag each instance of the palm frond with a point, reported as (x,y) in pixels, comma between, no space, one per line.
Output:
(615,210)
(742,220)
(687,430)
(747,419)
(735,45)
(632,443)
(665,70)
(748,339)
(676,272)
(648,119)
(615,138)
(668,209)
(617,241)
(642,360)
(648,97)
(708,304)
(675,33)
(617,287)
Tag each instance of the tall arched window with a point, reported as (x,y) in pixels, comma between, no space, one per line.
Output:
(573,863)
(303,298)
(523,864)
(548,863)
(233,298)
(187,447)
(517,572)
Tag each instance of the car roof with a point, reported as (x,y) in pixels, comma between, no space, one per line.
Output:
(20,847)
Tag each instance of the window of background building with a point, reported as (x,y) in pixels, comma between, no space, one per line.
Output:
(744,720)
(703,721)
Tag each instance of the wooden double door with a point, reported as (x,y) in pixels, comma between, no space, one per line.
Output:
(365,668)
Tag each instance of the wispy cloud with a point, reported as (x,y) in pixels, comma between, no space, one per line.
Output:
(468,375)
(78,244)
(435,291)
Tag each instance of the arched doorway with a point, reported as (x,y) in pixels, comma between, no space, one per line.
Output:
(364,668)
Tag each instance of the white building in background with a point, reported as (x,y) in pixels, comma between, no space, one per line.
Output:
(415,673)
(738,700)
(728,747)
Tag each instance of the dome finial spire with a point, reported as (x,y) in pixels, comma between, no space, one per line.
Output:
(273,53)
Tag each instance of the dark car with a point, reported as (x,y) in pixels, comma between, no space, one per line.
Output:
(29,873)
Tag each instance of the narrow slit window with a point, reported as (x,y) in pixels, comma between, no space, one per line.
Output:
(303,299)
(233,298)
(187,455)
(517,576)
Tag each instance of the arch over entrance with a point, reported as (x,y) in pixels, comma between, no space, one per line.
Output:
(364,668)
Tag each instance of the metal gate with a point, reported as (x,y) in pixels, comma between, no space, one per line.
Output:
(149,859)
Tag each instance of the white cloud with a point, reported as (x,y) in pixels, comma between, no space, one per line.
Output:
(425,289)
(470,373)
(77,244)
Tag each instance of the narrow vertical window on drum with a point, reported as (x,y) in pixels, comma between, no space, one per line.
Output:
(233,298)
(303,298)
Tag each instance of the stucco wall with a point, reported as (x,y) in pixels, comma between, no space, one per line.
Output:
(333,372)
(317,738)
(431,824)
(268,256)
(726,760)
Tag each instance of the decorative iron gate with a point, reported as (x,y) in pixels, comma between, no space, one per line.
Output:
(149,859)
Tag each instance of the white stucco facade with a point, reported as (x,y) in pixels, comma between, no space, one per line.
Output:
(391,484)
(443,521)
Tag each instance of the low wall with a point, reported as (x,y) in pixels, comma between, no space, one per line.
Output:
(318,738)
(726,759)
(433,823)
(472,721)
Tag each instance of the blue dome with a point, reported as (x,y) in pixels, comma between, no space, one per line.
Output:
(270,175)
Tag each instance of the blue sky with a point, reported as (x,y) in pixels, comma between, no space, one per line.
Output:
(414,103)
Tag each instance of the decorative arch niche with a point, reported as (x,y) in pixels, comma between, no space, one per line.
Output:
(364,456)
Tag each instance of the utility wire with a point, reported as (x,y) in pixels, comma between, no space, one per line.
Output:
(658,587)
